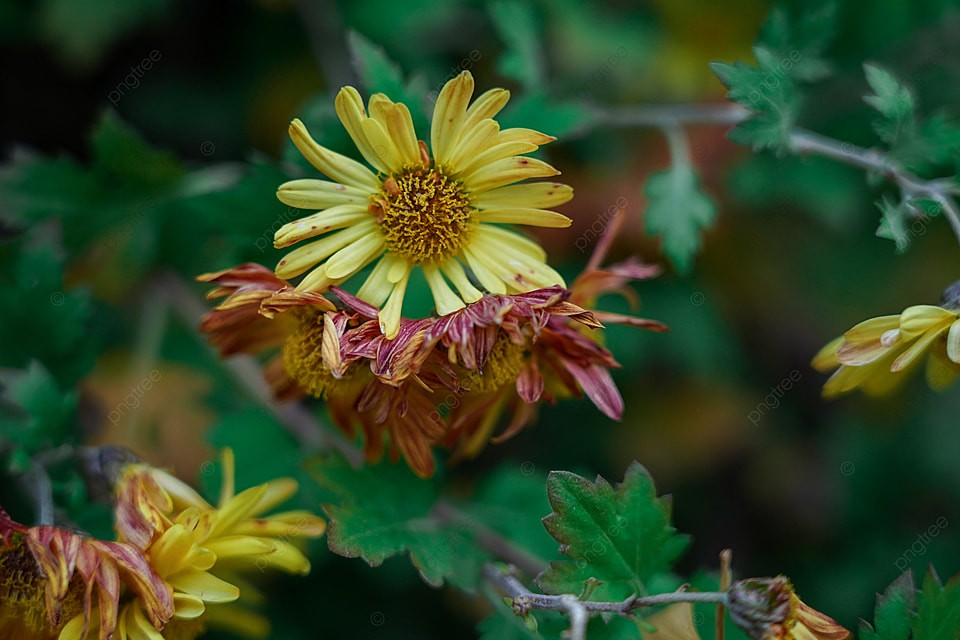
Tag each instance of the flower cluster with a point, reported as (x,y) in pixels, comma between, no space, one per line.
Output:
(176,568)
(878,354)
(507,333)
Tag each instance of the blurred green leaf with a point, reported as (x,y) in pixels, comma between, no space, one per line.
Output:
(894,101)
(893,617)
(517,25)
(893,222)
(797,41)
(37,413)
(385,510)
(379,74)
(677,211)
(938,610)
(41,320)
(510,501)
(619,536)
(551,116)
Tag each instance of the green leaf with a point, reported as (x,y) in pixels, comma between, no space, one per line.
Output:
(677,211)
(517,25)
(893,616)
(619,536)
(770,95)
(37,413)
(41,319)
(938,613)
(893,223)
(385,510)
(895,103)
(379,74)
(796,42)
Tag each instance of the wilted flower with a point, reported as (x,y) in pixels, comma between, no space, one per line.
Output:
(768,609)
(879,353)
(55,583)
(438,213)
(200,549)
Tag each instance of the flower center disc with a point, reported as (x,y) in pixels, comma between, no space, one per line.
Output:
(303,360)
(425,216)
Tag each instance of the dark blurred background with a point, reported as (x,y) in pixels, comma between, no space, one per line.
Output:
(830,493)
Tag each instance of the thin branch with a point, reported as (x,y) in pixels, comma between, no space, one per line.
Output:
(248,373)
(524,600)
(662,116)
(671,118)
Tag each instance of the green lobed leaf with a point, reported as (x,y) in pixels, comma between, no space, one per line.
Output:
(893,222)
(516,24)
(677,211)
(895,103)
(37,412)
(771,97)
(385,510)
(799,38)
(893,616)
(620,536)
(938,610)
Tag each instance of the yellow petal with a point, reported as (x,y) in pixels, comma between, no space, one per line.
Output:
(448,116)
(316,280)
(389,316)
(227,547)
(320,194)
(826,358)
(336,217)
(286,557)
(302,258)
(495,154)
(354,257)
(333,165)
(509,240)
(941,372)
(915,350)
(188,607)
(533,217)
(871,330)
(953,342)
(528,136)
(475,141)
(535,195)
(383,145)
(205,586)
(488,279)
(376,288)
(507,171)
(400,127)
(918,319)
(487,105)
(444,297)
(349,107)
(458,277)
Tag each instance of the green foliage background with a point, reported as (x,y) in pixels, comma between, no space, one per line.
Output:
(111,194)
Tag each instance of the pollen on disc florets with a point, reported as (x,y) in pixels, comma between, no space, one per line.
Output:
(424,214)
(303,359)
(23,587)
(502,366)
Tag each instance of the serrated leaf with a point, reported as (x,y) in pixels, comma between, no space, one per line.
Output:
(379,74)
(769,95)
(516,24)
(41,319)
(677,211)
(893,616)
(619,536)
(796,42)
(37,411)
(938,610)
(385,510)
(895,103)
(893,222)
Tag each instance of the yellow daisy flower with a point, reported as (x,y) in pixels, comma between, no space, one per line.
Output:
(439,213)
(878,354)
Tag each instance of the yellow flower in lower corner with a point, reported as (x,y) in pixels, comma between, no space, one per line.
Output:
(877,355)
(202,550)
(440,214)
